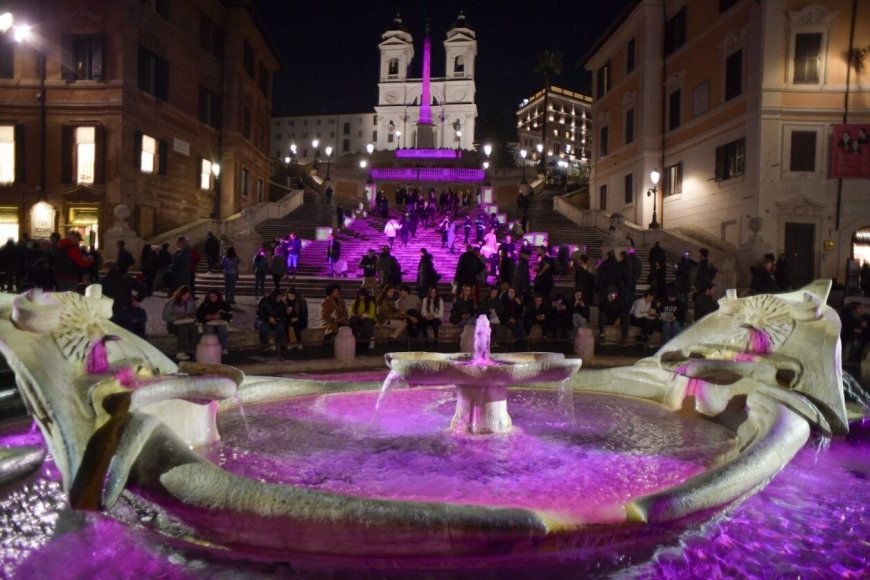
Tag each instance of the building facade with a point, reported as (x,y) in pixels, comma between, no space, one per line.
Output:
(453,108)
(135,102)
(736,104)
(568,126)
(347,134)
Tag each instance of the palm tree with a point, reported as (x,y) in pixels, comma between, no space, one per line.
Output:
(549,65)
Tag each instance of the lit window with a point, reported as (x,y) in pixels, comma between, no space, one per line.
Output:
(149,154)
(86,154)
(7,154)
(205,174)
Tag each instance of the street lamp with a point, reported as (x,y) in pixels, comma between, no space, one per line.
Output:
(287,160)
(399,139)
(654,177)
(23,33)
(216,171)
(523,154)
(315,144)
(293,151)
(370,148)
(328,154)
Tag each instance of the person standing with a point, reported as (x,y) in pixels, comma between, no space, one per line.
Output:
(179,269)
(279,265)
(230,267)
(147,259)
(261,263)
(369,266)
(522,281)
(544,276)
(763,278)
(333,253)
(339,217)
(391,229)
(426,274)
(212,251)
(125,258)
(69,263)
(294,251)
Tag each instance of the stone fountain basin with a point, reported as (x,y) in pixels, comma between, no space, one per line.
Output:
(427,368)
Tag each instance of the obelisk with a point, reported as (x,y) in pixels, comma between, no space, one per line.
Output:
(425,130)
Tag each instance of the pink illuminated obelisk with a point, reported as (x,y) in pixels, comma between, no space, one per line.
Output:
(425,99)
(425,131)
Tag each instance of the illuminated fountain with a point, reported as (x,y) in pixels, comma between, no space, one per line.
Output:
(481,380)
(657,446)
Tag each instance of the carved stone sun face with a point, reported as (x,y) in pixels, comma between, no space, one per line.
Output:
(766,313)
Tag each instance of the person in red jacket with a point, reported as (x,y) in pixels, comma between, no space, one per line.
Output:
(69,263)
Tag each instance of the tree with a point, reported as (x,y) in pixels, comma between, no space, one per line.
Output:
(549,66)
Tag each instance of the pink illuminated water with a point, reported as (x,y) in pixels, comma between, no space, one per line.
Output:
(618,449)
(811,521)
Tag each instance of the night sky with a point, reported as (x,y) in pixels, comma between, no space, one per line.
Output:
(330,53)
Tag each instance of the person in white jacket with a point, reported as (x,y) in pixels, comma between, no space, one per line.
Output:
(433,312)
(391,230)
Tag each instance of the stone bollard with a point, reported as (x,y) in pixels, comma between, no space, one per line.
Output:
(345,345)
(466,339)
(208,351)
(584,344)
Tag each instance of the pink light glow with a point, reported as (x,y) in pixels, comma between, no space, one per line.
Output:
(427,174)
(594,476)
(427,153)
(759,341)
(425,105)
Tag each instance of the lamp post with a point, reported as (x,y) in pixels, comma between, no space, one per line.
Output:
(540,149)
(370,148)
(523,154)
(328,154)
(293,151)
(654,177)
(23,33)
(216,171)
(399,139)
(315,144)
(487,150)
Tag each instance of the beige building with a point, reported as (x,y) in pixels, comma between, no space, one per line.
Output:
(735,103)
(568,126)
(135,104)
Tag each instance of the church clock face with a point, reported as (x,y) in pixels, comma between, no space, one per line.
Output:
(457,94)
(391,97)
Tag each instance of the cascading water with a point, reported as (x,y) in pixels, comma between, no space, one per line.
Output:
(855,391)
(393,380)
(482,341)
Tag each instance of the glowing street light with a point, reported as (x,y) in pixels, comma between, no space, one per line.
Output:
(523,154)
(654,177)
(399,139)
(328,154)
(216,171)
(487,150)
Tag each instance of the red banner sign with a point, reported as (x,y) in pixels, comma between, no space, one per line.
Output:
(850,153)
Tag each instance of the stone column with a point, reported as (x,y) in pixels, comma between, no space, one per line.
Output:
(121,230)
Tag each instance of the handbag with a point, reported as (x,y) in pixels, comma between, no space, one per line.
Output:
(493,318)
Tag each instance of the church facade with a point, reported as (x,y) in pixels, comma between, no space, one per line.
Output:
(451,97)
